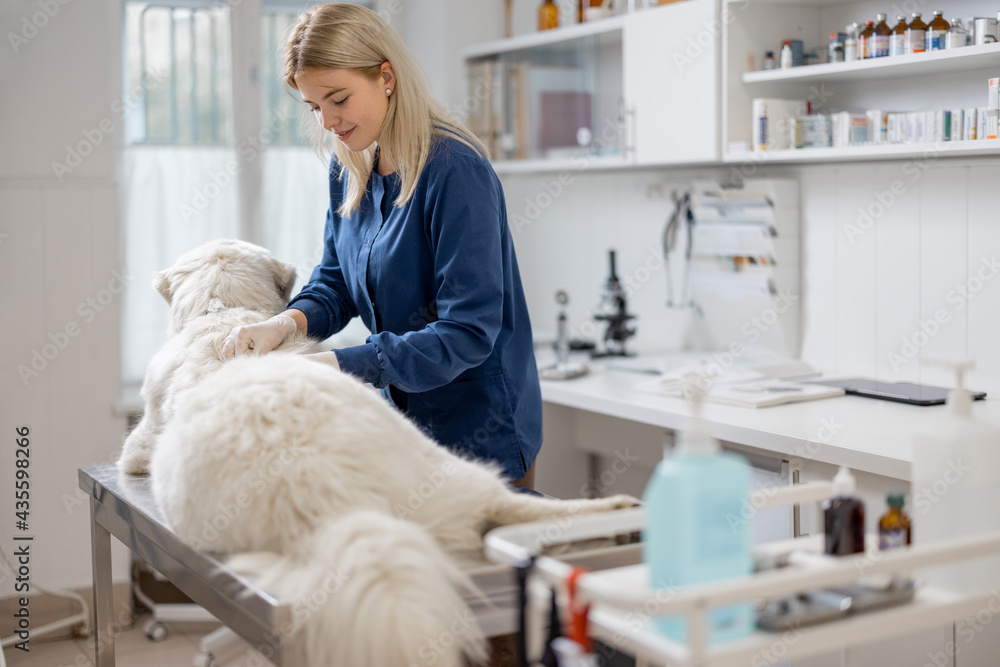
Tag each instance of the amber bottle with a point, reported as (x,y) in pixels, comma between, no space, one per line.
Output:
(937,33)
(880,38)
(894,526)
(865,41)
(548,15)
(916,35)
(897,41)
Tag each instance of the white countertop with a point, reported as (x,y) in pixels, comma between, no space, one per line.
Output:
(865,434)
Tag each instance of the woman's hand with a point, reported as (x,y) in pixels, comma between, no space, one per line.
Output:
(258,338)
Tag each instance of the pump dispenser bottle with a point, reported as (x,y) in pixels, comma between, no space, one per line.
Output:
(955,493)
(695,532)
(844,517)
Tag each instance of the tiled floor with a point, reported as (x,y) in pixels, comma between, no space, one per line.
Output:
(132,649)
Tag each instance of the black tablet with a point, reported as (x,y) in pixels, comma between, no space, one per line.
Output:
(901,392)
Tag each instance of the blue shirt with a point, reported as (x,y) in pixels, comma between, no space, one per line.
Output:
(436,282)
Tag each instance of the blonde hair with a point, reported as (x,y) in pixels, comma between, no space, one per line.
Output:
(340,35)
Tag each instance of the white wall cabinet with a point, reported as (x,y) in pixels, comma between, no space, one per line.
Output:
(671,86)
(634,90)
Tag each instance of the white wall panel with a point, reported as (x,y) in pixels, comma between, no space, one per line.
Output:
(857,313)
(819,267)
(943,262)
(984,253)
(897,233)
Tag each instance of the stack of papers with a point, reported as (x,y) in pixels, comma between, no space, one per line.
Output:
(737,386)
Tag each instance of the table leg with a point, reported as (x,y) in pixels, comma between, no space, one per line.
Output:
(104,634)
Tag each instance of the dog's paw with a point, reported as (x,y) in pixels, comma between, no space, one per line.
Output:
(134,464)
(135,456)
(619,502)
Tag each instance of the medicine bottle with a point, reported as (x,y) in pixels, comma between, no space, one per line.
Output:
(880,37)
(548,15)
(957,36)
(937,33)
(897,40)
(851,47)
(894,526)
(844,517)
(865,41)
(769,60)
(916,35)
(836,48)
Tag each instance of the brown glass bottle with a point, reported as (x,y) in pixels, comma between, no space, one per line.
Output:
(897,40)
(916,35)
(894,526)
(548,15)
(844,517)
(937,33)
(880,37)
(865,44)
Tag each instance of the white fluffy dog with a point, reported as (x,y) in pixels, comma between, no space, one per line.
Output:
(332,499)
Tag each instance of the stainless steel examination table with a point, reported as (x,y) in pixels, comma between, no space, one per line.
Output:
(123,506)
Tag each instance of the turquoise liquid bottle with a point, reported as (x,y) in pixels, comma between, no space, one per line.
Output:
(696,531)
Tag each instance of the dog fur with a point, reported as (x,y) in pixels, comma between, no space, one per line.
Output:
(324,494)
(217,286)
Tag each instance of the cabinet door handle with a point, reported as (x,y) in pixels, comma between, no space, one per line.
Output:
(796,511)
(626,116)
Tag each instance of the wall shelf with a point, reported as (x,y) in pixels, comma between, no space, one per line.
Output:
(544,38)
(917,64)
(880,152)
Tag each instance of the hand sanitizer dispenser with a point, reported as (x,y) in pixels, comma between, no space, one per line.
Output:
(695,532)
(956,488)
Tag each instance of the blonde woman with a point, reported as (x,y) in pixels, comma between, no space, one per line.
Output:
(416,244)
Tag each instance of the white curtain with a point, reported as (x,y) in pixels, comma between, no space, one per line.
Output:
(296,198)
(174,198)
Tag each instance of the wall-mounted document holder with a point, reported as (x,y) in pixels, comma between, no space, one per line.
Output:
(744,263)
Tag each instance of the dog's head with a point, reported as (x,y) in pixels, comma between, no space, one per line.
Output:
(224,273)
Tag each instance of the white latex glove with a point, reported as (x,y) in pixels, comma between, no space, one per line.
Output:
(328,358)
(258,338)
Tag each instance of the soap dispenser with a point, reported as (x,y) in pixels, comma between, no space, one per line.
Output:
(696,529)
(955,493)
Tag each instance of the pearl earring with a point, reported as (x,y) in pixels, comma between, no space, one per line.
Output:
(388,91)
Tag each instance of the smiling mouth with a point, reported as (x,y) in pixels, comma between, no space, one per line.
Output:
(344,135)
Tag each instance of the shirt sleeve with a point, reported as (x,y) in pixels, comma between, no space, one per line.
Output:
(325,299)
(464,223)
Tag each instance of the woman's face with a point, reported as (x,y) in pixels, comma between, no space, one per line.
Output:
(347,103)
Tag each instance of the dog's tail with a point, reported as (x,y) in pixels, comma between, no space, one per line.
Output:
(371,590)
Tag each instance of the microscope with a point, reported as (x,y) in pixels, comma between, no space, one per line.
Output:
(615,313)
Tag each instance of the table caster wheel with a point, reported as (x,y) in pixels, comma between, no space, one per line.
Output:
(156,630)
(204,660)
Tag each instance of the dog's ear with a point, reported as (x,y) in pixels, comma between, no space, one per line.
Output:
(161,282)
(284,278)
